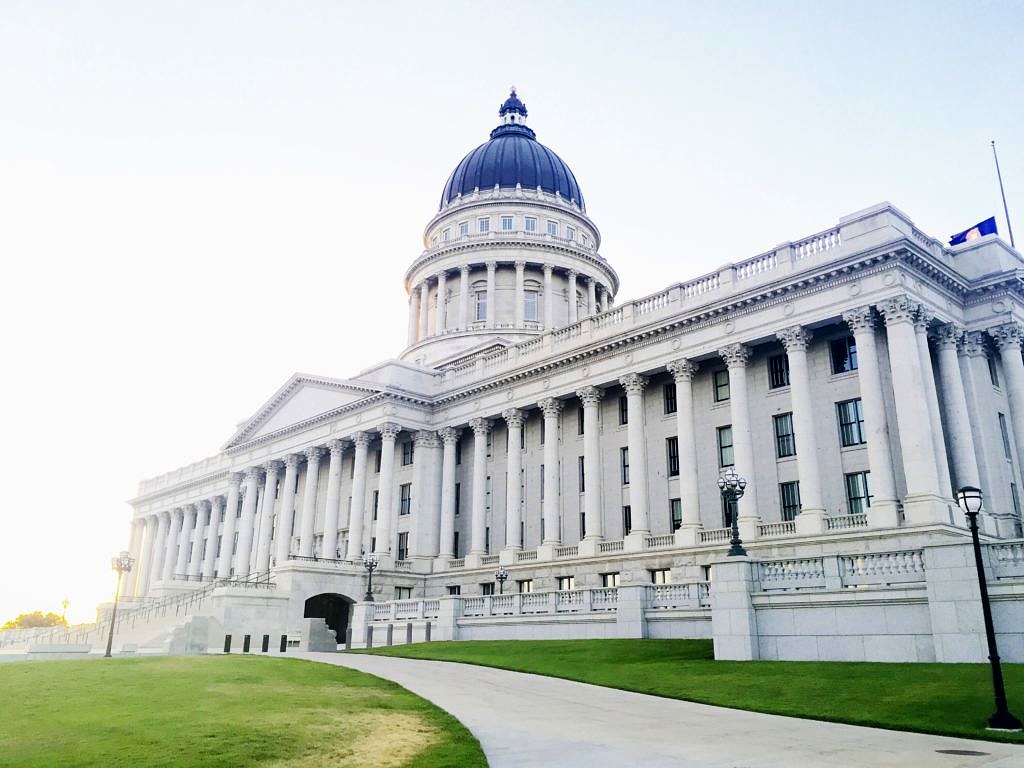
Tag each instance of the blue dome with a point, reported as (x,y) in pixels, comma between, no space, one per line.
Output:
(512,156)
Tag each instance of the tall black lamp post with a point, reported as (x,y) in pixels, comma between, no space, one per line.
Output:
(500,575)
(122,564)
(970,499)
(732,486)
(370,563)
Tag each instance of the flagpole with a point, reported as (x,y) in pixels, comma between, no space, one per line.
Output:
(1006,211)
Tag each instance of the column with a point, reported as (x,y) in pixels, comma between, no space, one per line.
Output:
(425,506)
(961,442)
(167,537)
(286,514)
(329,550)
(573,306)
(357,504)
(246,523)
(883,512)
(265,535)
(184,538)
(520,292)
(227,536)
(973,359)
(195,563)
(216,510)
(591,297)
(135,549)
(514,420)
(811,519)
(148,553)
(604,299)
(736,357)
(921,323)
(309,501)
(414,317)
(388,433)
(173,544)
(686,433)
(478,522)
(551,507)
(1008,340)
(549,297)
(424,308)
(634,385)
(591,399)
(491,313)
(463,296)
(450,437)
(442,278)
(923,502)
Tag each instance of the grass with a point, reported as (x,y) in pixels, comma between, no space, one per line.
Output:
(947,699)
(219,711)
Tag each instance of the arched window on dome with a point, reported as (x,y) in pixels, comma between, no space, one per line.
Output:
(530,224)
(531,306)
(463,228)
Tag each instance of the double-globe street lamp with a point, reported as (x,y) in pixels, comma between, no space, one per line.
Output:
(123,564)
(732,487)
(500,576)
(370,563)
(971,499)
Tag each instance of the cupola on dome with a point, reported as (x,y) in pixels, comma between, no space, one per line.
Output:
(512,156)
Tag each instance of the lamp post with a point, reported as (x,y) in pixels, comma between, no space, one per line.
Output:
(500,575)
(732,486)
(370,563)
(122,564)
(970,499)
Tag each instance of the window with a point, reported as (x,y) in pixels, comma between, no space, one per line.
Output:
(542,487)
(580,421)
(785,441)
(373,543)
(725,457)
(433,244)
(1006,437)
(454,589)
(661,576)
(458,451)
(405,499)
(583,524)
(543,429)
(1016,499)
(524,585)
(489,444)
(720,381)
(565,583)
(676,511)
(627,520)
(487,539)
(481,305)
(483,225)
(672,449)
(463,228)
(407,449)
(403,593)
(844,354)
(234,543)
(851,423)
(403,546)
(728,511)
(624,460)
(570,233)
(623,409)
(778,371)
(582,475)
(789,500)
(553,228)
(531,306)
(506,223)
(531,224)
(458,498)
(446,235)
(858,497)
(487,588)
(522,438)
(669,397)
(376,498)
(455,543)
(376,468)
(993,372)
(610,579)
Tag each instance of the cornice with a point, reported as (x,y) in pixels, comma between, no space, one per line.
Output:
(179,487)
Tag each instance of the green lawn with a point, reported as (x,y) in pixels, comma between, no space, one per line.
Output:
(219,711)
(951,699)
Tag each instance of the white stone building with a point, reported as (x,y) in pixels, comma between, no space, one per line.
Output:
(855,377)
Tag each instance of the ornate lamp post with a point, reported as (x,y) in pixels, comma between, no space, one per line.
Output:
(500,576)
(370,563)
(970,499)
(122,564)
(732,486)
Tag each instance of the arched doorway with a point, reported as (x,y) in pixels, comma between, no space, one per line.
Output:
(332,607)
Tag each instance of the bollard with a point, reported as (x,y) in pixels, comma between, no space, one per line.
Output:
(266,643)
(245,643)
(227,643)
(427,635)
(284,643)
(391,633)
(369,636)
(408,633)
(348,639)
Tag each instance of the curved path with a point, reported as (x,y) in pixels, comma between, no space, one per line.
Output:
(530,720)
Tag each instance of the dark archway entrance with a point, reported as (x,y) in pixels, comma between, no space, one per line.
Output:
(334,608)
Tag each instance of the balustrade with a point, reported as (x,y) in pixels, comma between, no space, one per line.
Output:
(845,522)
(1007,559)
(785,528)
(611,546)
(796,574)
(715,535)
(660,542)
(882,568)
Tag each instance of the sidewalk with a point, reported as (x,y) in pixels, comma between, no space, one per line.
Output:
(530,720)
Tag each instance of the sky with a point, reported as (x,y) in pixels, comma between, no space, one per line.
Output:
(198,199)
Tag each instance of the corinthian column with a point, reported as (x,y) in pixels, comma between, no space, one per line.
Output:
(167,544)
(333,508)
(514,420)
(414,317)
(463,296)
(478,542)
(736,356)
(265,528)
(491,314)
(682,371)
(357,504)
(227,536)
(921,323)
(439,311)
(639,502)
(184,538)
(286,514)
(520,293)
(425,506)
(549,298)
(216,509)
(246,523)
(450,438)
(1008,340)
(965,463)
(195,563)
(552,502)
(388,433)
(573,306)
(149,553)
(424,308)
(309,501)
(590,397)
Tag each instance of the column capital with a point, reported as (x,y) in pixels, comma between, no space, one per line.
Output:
(252,473)
(572,274)
(441,276)
(234,479)
(480,427)
(1006,335)
(550,406)
(272,467)
(860,319)
(291,461)
(973,344)
(949,336)
(923,317)
(464,269)
(590,396)
(591,281)
(202,505)
(735,355)
(633,383)
(682,369)
(513,417)
(188,509)
(450,435)
(491,266)
(389,430)
(362,439)
(795,338)
(425,438)
(520,264)
(313,454)
(217,500)
(548,268)
(898,309)
(337,447)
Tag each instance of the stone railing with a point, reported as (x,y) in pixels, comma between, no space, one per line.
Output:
(845,522)
(489,560)
(694,595)
(383,611)
(881,568)
(526,556)
(1007,559)
(815,244)
(611,546)
(659,542)
(714,535)
(458,562)
(431,608)
(785,528)
(406,610)
(871,569)
(532,603)
(403,565)
(801,573)
(569,551)
(604,599)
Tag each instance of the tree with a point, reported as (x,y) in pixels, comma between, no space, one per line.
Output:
(36,619)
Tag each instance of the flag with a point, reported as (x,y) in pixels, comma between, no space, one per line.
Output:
(986,227)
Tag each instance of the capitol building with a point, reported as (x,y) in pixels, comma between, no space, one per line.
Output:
(538,424)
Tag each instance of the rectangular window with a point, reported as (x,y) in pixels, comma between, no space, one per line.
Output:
(463,228)
(669,397)
(403,546)
(672,449)
(728,510)
(404,499)
(1006,437)
(489,444)
(524,585)
(487,494)
(376,498)
(481,305)
(454,589)
(487,588)
(455,543)
(580,421)
(531,224)
(778,371)
(565,583)
(446,235)
(376,468)
(582,475)
(403,593)
(858,497)
(483,225)
(789,500)
(543,429)
(844,354)
(676,511)
(1015,498)
(458,499)
(553,228)
(570,233)
(623,409)
(785,441)
(627,520)
(234,544)
(583,524)
(851,423)
(458,451)
(487,538)
(993,372)
(725,457)
(522,438)
(661,576)
(720,380)
(531,307)
(624,461)
(407,449)
(506,223)
(610,579)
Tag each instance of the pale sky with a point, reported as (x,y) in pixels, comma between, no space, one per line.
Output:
(198,199)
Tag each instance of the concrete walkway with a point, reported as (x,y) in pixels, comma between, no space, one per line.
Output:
(529,720)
